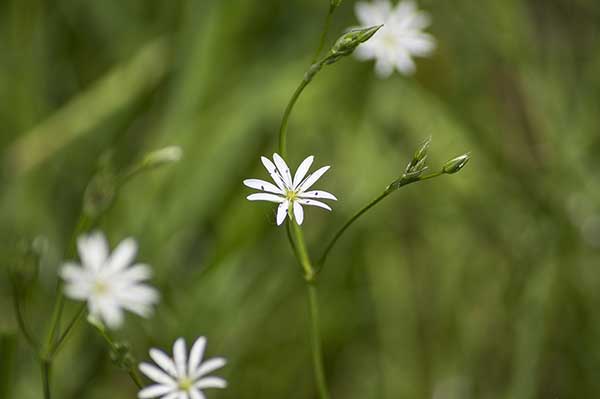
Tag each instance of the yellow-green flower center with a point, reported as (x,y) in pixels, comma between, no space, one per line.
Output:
(100,288)
(291,195)
(185,384)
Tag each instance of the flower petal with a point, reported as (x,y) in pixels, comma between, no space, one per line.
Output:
(110,312)
(163,361)
(93,250)
(284,170)
(196,354)
(156,374)
(196,394)
(282,210)
(209,366)
(312,179)
(123,255)
(298,213)
(269,165)
(383,68)
(180,356)
(211,382)
(302,170)
(183,395)
(155,390)
(265,197)
(174,395)
(263,185)
(136,273)
(313,202)
(317,194)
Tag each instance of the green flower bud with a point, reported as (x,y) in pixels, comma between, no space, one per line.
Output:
(163,156)
(456,164)
(348,42)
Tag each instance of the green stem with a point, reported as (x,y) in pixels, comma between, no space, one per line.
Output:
(286,116)
(63,338)
(45,368)
(391,188)
(131,370)
(301,251)
(21,319)
(315,338)
(324,32)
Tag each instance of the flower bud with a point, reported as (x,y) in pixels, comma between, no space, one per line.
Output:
(349,41)
(163,156)
(456,164)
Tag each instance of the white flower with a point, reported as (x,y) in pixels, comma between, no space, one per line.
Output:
(181,378)
(290,193)
(400,38)
(107,281)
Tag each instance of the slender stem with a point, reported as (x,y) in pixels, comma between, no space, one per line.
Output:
(21,319)
(315,338)
(45,368)
(324,32)
(341,231)
(371,204)
(301,251)
(131,370)
(63,338)
(286,116)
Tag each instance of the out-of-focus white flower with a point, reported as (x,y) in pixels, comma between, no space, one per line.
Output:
(180,377)
(400,38)
(107,281)
(290,193)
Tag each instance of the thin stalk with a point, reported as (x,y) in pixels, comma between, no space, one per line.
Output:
(45,368)
(21,320)
(315,339)
(324,32)
(131,370)
(286,117)
(63,338)
(301,251)
(364,209)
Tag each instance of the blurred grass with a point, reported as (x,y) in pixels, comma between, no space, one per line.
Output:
(481,285)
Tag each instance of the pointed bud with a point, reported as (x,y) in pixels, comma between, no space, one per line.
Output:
(421,153)
(456,164)
(349,41)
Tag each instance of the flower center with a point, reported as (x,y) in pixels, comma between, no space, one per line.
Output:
(100,288)
(185,384)
(291,195)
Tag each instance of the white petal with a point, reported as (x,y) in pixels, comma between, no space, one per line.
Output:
(263,185)
(136,273)
(180,356)
(265,197)
(111,313)
(163,361)
(174,395)
(318,194)
(420,44)
(79,291)
(404,62)
(365,51)
(298,213)
(211,382)
(383,68)
(302,170)
(139,293)
(93,250)
(269,165)
(284,170)
(183,395)
(282,210)
(123,255)
(155,390)
(312,179)
(374,13)
(196,394)
(73,271)
(156,374)
(209,366)
(196,354)
(313,202)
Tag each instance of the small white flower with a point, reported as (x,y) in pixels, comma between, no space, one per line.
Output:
(400,38)
(290,193)
(107,281)
(180,377)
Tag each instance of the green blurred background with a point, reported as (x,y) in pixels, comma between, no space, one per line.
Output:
(482,284)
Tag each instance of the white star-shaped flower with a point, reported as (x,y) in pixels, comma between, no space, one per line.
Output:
(290,193)
(107,281)
(400,38)
(180,377)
